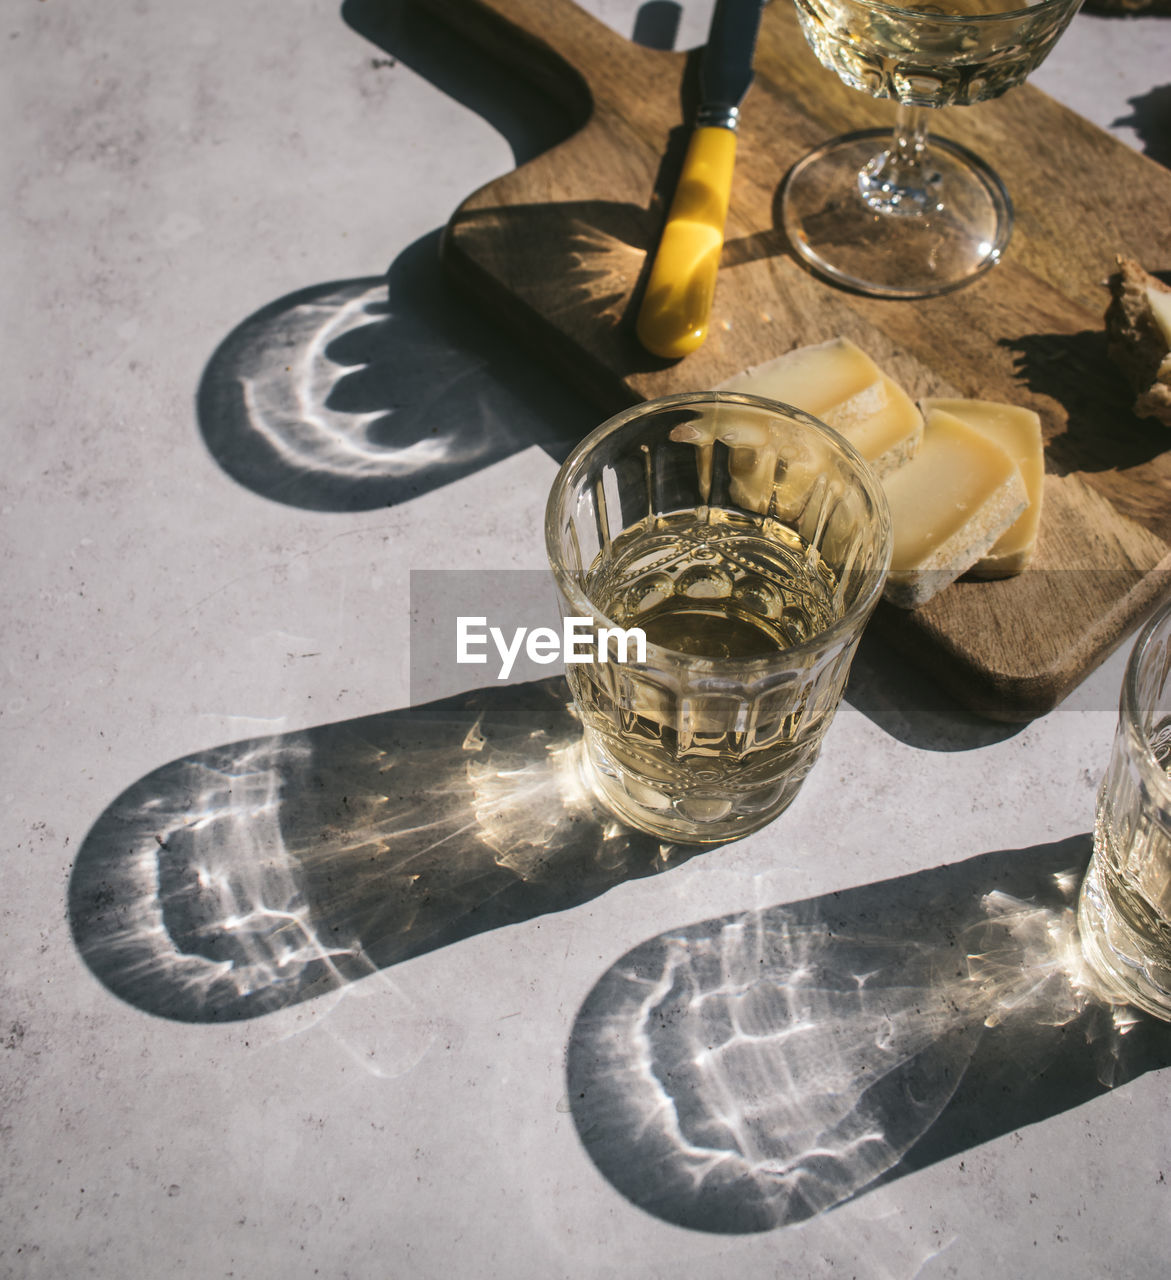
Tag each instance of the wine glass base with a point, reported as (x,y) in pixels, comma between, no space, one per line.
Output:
(895,245)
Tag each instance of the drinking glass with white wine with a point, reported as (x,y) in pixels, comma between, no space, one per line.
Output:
(905,213)
(749,544)
(1124,916)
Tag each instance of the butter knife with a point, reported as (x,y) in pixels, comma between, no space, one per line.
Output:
(676,307)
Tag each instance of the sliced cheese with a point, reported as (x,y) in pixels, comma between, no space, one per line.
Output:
(891,435)
(1018,432)
(754,451)
(840,384)
(831,375)
(949,506)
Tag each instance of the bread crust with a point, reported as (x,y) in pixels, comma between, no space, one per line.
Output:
(1136,343)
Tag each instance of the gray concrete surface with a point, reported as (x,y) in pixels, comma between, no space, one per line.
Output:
(296,981)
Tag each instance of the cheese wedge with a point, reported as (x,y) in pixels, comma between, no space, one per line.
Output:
(1018,432)
(752,458)
(888,437)
(949,506)
(840,384)
(830,375)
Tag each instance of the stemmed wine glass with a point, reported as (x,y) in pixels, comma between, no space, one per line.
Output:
(907,214)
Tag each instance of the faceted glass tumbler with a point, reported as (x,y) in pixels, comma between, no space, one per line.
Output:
(1124,916)
(749,543)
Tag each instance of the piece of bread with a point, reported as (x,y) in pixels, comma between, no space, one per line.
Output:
(1138,337)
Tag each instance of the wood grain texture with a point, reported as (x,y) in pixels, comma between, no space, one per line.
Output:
(558,250)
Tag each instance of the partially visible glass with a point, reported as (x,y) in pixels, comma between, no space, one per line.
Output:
(1124,916)
(907,213)
(750,543)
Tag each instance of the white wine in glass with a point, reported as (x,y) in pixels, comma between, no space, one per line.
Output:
(905,214)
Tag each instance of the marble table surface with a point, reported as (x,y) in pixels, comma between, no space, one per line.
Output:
(312,969)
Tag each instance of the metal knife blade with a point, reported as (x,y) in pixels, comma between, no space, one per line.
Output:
(725,72)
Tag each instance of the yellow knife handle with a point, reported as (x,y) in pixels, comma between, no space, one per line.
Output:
(673,318)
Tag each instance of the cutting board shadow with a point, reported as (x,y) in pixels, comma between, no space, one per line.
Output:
(557,251)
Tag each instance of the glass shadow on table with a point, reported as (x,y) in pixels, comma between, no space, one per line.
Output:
(240,880)
(750,1072)
(248,877)
(350,395)
(357,394)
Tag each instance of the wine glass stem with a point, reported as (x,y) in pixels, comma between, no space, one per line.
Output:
(901,178)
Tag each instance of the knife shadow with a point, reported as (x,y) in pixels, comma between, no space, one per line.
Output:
(530,119)
(1151,120)
(656,24)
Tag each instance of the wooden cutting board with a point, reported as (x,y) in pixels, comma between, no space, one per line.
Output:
(558,249)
